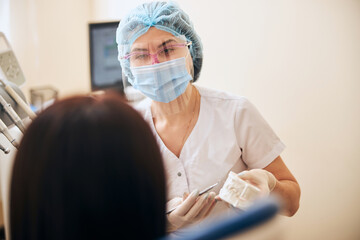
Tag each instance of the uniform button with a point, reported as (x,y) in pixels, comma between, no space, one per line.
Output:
(179,174)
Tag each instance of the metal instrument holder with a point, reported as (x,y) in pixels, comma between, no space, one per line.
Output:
(3,115)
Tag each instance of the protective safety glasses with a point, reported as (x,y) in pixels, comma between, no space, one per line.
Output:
(143,54)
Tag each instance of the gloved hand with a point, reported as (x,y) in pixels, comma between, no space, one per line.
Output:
(190,209)
(260,178)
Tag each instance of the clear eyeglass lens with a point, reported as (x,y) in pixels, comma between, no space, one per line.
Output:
(166,53)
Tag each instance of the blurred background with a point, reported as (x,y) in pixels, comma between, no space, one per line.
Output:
(298,61)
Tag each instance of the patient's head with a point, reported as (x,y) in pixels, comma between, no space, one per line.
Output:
(88,168)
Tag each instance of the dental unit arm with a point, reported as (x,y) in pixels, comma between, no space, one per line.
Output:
(15,113)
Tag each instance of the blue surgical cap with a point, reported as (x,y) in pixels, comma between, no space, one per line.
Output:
(166,16)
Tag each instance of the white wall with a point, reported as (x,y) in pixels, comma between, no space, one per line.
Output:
(105,10)
(4,16)
(298,61)
(50,39)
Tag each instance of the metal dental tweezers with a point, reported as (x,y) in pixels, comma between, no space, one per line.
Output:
(200,193)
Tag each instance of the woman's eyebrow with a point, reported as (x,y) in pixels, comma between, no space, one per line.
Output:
(166,42)
(159,46)
(139,50)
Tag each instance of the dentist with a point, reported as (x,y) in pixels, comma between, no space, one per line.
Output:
(203,133)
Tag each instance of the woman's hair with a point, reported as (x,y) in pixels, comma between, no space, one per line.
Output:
(88,168)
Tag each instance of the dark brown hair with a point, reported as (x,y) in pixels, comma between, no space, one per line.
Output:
(88,168)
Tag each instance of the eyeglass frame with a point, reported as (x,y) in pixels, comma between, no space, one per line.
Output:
(128,56)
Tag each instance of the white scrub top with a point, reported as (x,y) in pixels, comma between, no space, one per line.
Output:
(230,135)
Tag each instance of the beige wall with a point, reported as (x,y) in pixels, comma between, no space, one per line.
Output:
(298,61)
(1,215)
(50,39)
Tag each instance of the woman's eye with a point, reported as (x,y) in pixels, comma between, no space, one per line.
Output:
(140,56)
(167,51)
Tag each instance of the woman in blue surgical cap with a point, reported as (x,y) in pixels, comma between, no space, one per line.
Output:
(203,134)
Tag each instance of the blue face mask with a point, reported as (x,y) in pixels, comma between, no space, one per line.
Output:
(162,82)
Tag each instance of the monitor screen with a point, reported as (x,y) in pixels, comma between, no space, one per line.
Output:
(104,65)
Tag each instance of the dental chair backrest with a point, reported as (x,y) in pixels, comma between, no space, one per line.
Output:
(261,212)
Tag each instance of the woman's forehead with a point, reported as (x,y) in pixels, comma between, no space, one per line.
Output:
(152,37)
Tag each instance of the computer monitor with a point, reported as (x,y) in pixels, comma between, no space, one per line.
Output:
(104,65)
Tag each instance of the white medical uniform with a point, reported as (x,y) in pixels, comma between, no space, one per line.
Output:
(230,135)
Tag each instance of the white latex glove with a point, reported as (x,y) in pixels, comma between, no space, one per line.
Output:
(260,178)
(190,209)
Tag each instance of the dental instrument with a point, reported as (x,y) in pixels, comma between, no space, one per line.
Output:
(200,193)
(4,130)
(5,150)
(12,114)
(18,100)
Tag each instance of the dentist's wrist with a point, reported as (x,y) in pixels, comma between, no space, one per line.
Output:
(271,181)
